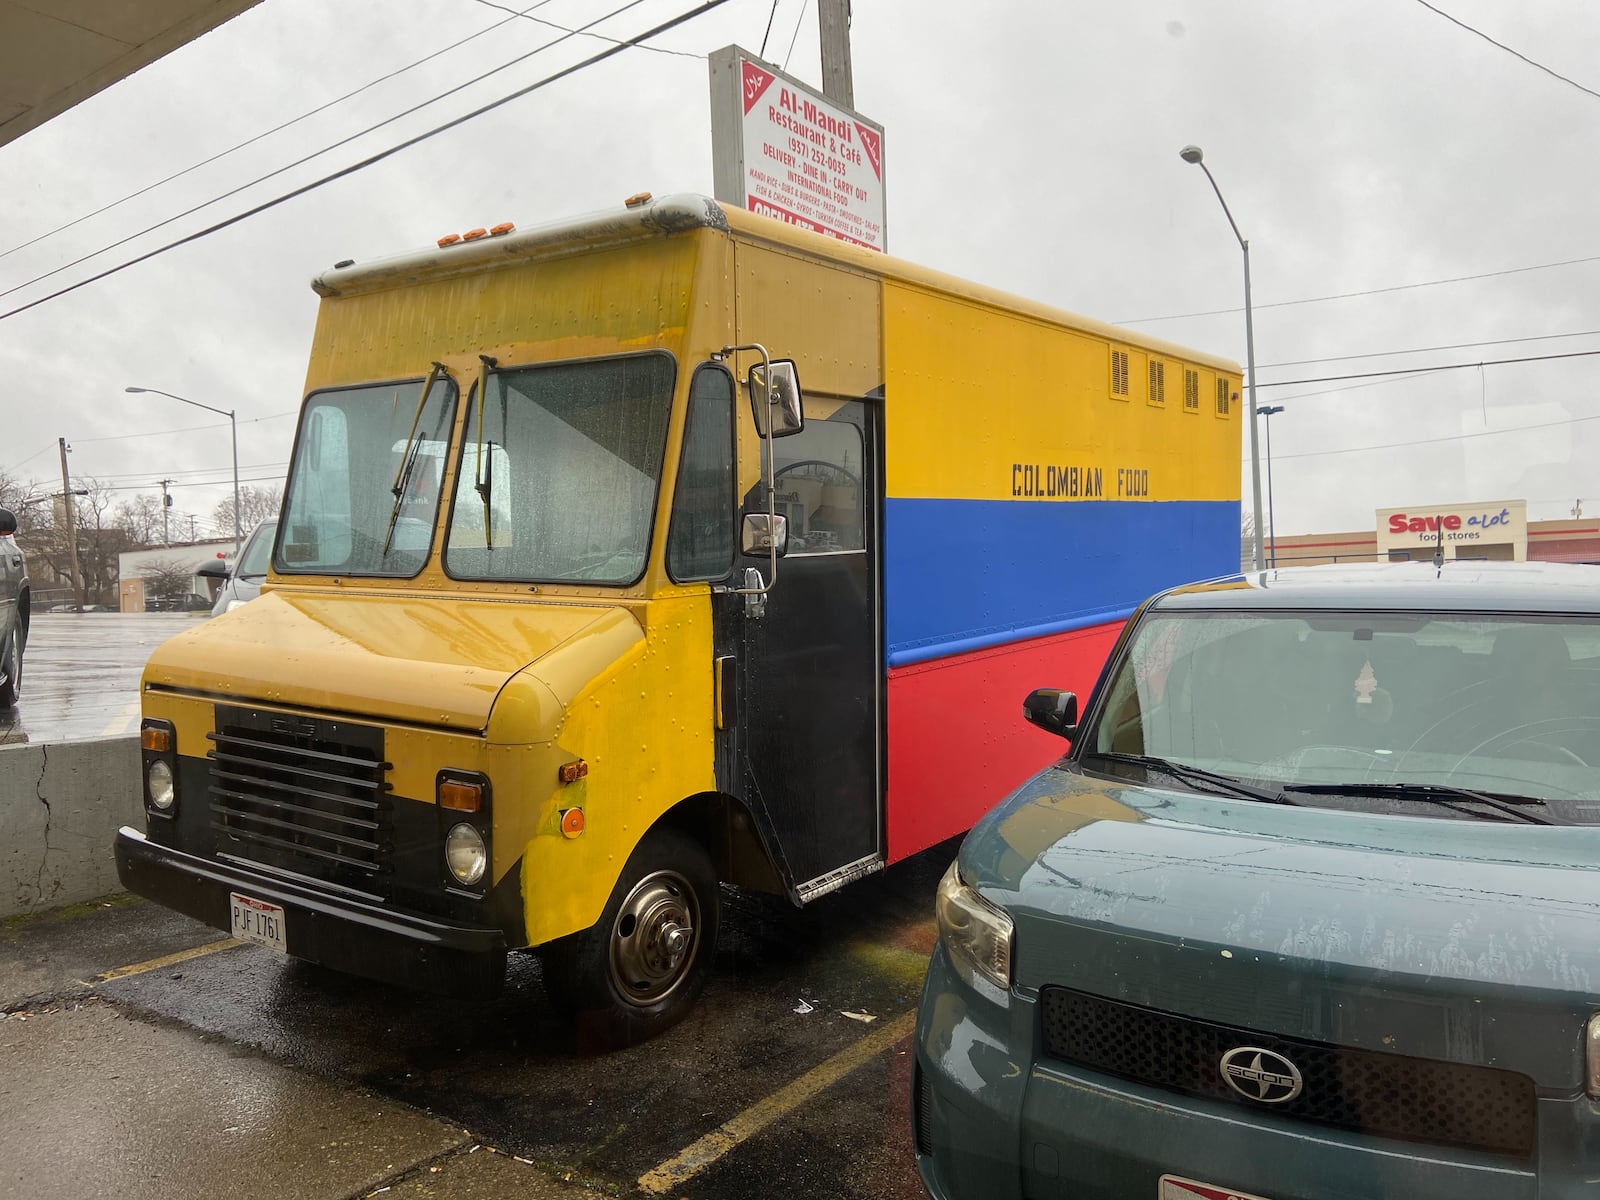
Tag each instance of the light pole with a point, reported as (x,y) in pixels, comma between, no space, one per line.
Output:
(1193,154)
(234,422)
(1266,411)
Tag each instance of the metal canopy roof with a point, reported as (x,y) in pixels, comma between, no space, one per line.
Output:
(54,53)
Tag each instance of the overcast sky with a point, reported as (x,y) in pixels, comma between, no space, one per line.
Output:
(1363,145)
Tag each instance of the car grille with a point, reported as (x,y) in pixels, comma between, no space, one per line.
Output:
(1387,1095)
(301,793)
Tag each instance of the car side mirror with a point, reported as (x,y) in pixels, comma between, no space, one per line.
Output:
(213,569)
(1052,711)
(8,522)
(758,537)
(775,399)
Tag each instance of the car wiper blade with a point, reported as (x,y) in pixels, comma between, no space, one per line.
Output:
(1515,807)
(408,460)
(1214,780)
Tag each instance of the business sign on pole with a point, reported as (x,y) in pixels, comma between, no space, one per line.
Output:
(780,150)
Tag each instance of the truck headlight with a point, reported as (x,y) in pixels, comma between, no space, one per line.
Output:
(975,932)
(1594,1057)
(158,781)
(465,854)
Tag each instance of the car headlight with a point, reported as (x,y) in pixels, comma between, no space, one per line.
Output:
(975,932)
(158,781)
(465,854)
(1594,1056)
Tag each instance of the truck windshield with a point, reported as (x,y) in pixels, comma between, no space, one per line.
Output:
(1399,708)
(342,516)
(559,483)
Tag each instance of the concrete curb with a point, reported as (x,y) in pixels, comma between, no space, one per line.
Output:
(61,804)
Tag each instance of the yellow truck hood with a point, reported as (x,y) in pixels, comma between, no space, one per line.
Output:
(434,661)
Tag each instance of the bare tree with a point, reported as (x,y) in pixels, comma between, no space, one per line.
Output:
(167,580)
(255,506)
(140,519)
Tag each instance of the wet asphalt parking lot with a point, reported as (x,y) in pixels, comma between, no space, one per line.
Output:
(790,1078)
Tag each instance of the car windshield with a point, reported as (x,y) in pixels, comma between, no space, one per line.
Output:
(559,481)
(257,552)
(364,483)
(1391,706)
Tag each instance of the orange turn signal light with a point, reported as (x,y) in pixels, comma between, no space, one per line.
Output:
(503,227)
(473,235)
(449,239)
(571,822)
(635,200)
(159,740)
(573,771)
(460,796)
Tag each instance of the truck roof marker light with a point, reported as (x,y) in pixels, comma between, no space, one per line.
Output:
(460,795)
(473,235)
(503,228)
(572,822)
(449,239)
(637,199)
(573,771)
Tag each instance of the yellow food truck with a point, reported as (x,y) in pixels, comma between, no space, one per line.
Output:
(627,555)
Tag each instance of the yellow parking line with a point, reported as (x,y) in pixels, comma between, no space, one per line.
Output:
(690,1162)
(167,960)
(126,721)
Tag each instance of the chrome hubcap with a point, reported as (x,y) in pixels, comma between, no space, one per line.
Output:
(653,940)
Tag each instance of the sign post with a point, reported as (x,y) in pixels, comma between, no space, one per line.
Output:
(779,149)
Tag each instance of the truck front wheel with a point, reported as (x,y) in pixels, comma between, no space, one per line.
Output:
(638,970)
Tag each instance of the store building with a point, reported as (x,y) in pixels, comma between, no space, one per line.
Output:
(1497,530)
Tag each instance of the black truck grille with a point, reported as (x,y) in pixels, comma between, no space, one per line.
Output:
(302,793)
(1387,1095)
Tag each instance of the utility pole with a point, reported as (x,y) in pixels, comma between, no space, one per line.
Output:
(72,524)
(833,20)
(166,507)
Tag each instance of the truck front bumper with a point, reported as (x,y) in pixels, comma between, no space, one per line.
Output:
(333,930)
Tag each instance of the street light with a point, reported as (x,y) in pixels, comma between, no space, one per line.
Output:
(233,421)
(1266,411)
(1193,154)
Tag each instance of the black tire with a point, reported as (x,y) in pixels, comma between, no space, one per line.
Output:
(11,668)
(620,980)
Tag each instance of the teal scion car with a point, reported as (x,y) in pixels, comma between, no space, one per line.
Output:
(1310,910)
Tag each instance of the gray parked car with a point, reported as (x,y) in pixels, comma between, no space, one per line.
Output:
(13,609)
(1310,911)
(244,584)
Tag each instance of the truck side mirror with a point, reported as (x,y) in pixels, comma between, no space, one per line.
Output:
(1052,711)
(759,537)
(213,568)
(8,522)
(776,400)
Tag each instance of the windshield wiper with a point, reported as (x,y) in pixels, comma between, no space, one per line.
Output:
(1515,807)
(1213,780)
(408,460)
(485,480)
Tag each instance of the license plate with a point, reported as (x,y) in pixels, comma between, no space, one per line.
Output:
(1173,1188)
(259,922)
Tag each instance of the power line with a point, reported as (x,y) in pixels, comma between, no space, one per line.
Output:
(1381,291)
(299,162)
(1454,437)
(268,133)
(1544,337)
(762,53)
(125,437)
(805,7)
(586,33)
(370,160)
(1497,362)
(223,482)
(1514,53)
